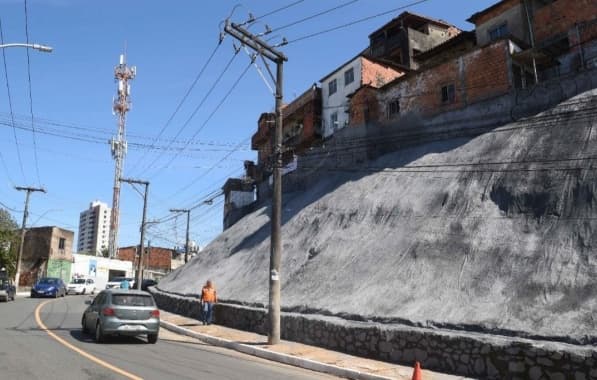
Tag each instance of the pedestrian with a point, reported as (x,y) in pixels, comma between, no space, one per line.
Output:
(208,299)
(124,284)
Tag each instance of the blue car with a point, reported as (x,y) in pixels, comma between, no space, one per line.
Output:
(49,287)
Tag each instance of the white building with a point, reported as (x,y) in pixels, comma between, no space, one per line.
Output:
(94,228)
(100,269)
(346,79)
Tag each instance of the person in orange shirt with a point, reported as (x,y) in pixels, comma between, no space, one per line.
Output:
(208,298)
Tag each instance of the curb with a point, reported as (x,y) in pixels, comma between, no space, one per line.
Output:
(274,356)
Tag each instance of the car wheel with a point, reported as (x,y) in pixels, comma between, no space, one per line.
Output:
(152,338)
(84,326)
(99,334)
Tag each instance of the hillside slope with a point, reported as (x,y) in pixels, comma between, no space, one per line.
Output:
(494,232)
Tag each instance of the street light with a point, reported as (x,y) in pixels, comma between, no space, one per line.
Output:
(44,48)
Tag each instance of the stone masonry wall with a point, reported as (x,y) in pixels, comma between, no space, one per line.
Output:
(467,354)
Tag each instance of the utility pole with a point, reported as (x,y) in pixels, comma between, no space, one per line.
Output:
(29,190)
(186,246)
(122,104)
(261,47)
(139,275)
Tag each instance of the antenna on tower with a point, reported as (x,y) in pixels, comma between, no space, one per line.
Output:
(121,104)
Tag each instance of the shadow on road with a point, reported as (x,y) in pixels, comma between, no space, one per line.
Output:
(79,335)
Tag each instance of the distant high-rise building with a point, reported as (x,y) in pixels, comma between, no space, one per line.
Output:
(94,228)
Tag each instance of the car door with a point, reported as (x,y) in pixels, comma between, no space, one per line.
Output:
(93,311)
(89,286)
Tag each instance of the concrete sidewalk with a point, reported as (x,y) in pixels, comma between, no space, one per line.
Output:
(296,354)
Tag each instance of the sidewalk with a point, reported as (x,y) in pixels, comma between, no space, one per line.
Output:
(296,354)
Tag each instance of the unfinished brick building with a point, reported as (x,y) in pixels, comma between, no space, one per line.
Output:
(157,261)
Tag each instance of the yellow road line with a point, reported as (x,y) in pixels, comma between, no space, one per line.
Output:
(78,350)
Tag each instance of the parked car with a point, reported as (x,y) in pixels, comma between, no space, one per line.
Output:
(81,286)
(7,290)
(122,312)
(49,287)
(147,283)
(115,282)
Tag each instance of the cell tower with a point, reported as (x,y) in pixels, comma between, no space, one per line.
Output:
(121,105)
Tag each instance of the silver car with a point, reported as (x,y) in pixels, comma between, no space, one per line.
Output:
(122,312)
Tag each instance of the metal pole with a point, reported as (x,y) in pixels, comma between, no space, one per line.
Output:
(276,226)
(186,246)
(140,267)
(29,190)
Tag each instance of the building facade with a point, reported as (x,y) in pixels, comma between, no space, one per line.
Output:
(94,228)
(345,80)
(157,261)
(47,252)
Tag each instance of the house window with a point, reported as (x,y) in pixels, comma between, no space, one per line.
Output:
(393,108)
(61,243)
(334,121)
(498,32)
(448,94)
(348,76)
(332,87)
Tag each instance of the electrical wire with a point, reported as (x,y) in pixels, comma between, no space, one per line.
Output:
(358,21)
(180,103)
(206,121)
(35,156)
(203,100)
(272,12)
(18,149)
(300,21)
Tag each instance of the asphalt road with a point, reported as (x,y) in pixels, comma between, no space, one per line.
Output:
(29,352)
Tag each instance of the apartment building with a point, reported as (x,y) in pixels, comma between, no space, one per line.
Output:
(94,228)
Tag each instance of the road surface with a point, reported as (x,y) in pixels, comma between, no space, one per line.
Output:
(27,351)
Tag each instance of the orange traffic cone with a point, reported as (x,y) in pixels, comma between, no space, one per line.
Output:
(417,372)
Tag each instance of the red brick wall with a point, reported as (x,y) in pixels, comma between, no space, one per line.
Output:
(157,259)
(561,16)
(364,107)
(377,75)
(485,74)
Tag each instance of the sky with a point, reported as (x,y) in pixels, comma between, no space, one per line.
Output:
(195,103)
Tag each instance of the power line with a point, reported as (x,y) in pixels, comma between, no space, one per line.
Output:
(31,95)
(342,26)
(206,121)
(203,100)
(10,105)
(313,16)
(180,103)
(252,20)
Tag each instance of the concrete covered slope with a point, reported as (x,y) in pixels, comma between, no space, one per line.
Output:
(494,232)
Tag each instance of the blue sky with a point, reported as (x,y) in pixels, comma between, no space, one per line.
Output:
(169,42)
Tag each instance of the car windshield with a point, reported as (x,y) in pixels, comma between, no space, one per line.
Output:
(132,300)
(48,281)
(78,281)
(4,284)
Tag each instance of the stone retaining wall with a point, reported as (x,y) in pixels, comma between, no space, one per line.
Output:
(468,354)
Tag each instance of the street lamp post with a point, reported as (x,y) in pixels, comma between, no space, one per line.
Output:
(44,48)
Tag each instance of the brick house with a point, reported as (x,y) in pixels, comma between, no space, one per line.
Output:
(359,71)
(407,35)
(546,31)
(157,260)
(47,251)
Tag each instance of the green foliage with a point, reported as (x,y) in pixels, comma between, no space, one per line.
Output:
(9,242)
(105,252)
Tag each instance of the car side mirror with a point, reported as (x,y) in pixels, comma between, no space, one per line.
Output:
(88,302)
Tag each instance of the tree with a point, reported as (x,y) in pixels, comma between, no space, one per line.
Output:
(105,252)
(9,242)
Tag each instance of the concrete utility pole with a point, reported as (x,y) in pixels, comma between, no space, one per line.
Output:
(122,104)
(261,47)
(139,275)
(29,190)
(186,246)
